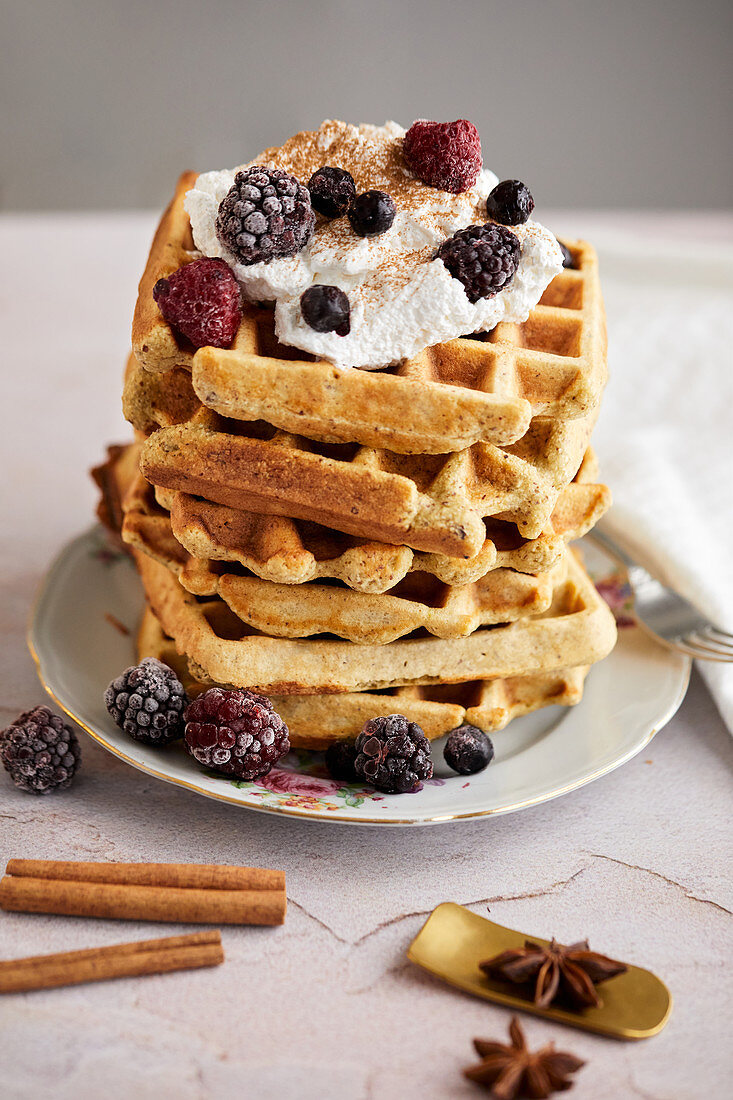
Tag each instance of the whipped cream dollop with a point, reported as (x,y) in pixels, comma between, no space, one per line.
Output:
(402,298)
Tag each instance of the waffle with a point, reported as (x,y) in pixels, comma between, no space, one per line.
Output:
(434,503)
(419,601)
(431,503)
(167,400)
(152,401)
(442,400)
(292,552)
(578,629)
(316,721)
(113,478)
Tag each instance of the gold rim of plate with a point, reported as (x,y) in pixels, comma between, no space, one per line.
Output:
(454,940)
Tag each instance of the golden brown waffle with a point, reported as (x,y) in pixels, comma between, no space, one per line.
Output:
(577,629)
(448,397)
(154,342)
(152,401)
(288,551)
(316,721)
(113,477)
(291,552)
(166,400)
(420,601)
(435,503)
(444,399)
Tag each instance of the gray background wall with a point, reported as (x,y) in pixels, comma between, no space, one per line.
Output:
(596,104)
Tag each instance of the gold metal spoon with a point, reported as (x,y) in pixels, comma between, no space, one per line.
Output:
(453,941)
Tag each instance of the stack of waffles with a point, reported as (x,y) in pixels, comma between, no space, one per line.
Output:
(357,543)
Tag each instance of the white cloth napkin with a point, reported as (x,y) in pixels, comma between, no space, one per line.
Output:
(665,434)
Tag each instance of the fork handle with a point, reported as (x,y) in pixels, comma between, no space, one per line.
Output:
(640,578)
(613,548)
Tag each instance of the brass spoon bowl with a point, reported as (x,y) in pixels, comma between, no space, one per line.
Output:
(453,941)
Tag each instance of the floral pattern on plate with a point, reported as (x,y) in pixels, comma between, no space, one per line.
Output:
(618,594)
(304,783)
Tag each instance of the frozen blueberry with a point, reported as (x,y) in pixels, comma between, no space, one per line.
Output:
(468,750)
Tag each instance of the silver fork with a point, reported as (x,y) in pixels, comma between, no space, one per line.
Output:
(669,617)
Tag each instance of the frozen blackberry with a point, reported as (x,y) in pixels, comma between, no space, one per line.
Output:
(372,213)
(235,732)
(265,214)
(340,760)
(510,203)
(446,155)
(468,750)
(393,754)
(202,301)
(147,702)
(332,191)
(567,256)
(40,752)
(326,309)
(483,258)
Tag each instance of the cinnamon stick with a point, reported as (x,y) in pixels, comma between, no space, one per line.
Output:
(121,960)
(202,876)
(132,902)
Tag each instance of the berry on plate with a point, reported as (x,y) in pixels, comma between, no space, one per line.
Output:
(446,155)
(202,301)
(147,702)
(235,732)
(340,760)
(468,750)
(393,754)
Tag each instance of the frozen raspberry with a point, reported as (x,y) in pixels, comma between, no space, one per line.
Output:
(40,752)
(332,191)
(235,732)
(393,754)
(340,760)
(468,750)
(326,309)
(372,213)
(444,154)
(202,301)
(482,257)
(265,214)
(510,203)
(567,256)
(147,702)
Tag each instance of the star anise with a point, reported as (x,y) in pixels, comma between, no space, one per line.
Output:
(514,1071)
(556,970)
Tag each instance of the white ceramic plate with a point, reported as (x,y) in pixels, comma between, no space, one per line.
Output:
(79,646)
